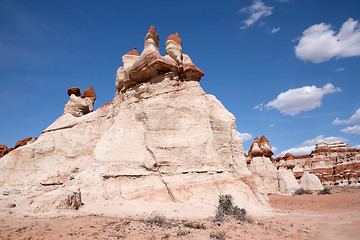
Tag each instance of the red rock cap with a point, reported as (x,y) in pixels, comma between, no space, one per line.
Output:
(133,52)
(289,156)
(89,93)
(74,90)
(3,150)
(263,139)
(23,142)
(152,30)
(174,37)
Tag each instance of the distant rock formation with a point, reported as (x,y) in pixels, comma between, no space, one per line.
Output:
(310,181)
(162,143)
(80,105)
(260,165)
(271,178)
(334,163)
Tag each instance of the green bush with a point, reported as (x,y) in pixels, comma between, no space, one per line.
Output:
(226,207)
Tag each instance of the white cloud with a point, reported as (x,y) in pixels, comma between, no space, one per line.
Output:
(319,43)
(272,125)
(245,136)
(274,149)
(275,30)
(309,145)
(298,150)
(355,118)
(257,10)
(340,69)
(297,100)
(356,146)
(352,130)
(259,106)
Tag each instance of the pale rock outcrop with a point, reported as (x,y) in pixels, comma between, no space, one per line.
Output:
(287,182)
(310,181)
(265,174)
(80,105)
(163,144)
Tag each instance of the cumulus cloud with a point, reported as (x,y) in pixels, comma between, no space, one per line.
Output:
(257,10)
(352,130)
(275,30)
(355,118)
(309,145)
(356,146)
(245,136)
(319,43)
(274,149)
(297,100)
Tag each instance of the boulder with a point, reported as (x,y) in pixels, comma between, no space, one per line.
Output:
(4,150)
(89,93)
(265,174)
(78,106)
(287,182)
(310,182)
(75,91)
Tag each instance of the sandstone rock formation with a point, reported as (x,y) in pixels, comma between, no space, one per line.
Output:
(260,165)
(310,182)
(269,175)
(162,143)
(287,182)
(79,106)
(334,163)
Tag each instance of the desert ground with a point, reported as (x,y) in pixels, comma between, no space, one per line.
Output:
(335,216)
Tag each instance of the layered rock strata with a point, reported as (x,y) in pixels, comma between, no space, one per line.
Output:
(162,143)
(334,163)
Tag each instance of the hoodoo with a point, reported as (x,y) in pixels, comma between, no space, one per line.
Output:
(161,144)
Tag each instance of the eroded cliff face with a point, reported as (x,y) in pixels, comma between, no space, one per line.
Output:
(162,144)
(333,163)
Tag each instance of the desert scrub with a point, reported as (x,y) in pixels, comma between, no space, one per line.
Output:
(302,191)
(324,191)
(157,218)
(226,207)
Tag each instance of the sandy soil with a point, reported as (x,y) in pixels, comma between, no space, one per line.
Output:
(335,216)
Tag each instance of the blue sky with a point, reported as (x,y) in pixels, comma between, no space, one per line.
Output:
(287,69)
